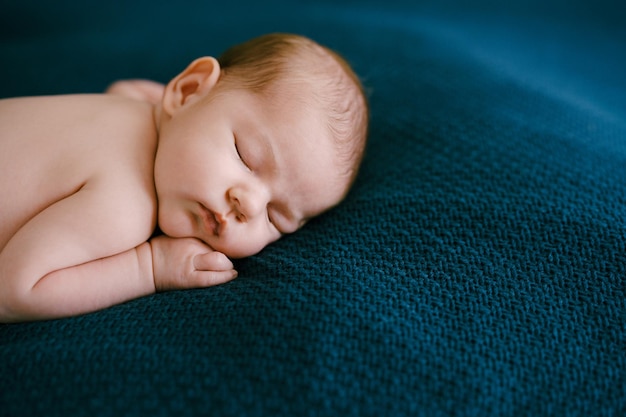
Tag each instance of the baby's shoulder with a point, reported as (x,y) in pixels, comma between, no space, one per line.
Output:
(54,147)
(53,109)
(75,120)
(123,147)
(76,138)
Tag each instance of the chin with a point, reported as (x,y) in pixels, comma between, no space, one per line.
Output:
(235,251)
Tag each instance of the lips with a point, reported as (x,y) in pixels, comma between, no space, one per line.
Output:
(212,222)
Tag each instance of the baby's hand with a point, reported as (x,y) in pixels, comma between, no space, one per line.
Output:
(188,263)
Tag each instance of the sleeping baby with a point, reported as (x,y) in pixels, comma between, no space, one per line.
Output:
(229,156)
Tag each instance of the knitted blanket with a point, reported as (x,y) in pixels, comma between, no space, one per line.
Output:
(478,266)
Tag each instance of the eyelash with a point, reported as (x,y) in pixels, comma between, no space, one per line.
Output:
(269,217)
(239,154)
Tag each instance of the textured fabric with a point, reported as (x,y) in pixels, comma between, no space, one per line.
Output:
(477,267)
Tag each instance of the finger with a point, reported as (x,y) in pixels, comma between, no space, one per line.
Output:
(212,261)
(210,278)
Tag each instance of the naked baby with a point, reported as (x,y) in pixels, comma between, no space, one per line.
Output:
(229,156)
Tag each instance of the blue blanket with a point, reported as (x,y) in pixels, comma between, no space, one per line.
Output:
(478,267)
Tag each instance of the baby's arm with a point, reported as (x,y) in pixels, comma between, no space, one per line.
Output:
(81,254)
(143,90)
(45,267)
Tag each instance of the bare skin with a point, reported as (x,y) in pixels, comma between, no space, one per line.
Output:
(63,193)
(142,90)
(79,200)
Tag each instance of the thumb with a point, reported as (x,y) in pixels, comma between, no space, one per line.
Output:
(212,261)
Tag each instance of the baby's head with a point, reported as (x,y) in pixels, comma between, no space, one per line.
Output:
(254,144)
(277,64)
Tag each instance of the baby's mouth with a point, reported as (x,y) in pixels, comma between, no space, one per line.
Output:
(213,222)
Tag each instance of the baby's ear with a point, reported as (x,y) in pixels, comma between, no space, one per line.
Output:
(191,84)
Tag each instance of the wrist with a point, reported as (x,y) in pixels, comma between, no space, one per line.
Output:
(146,265)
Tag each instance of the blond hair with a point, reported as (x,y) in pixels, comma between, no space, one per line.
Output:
(260,63)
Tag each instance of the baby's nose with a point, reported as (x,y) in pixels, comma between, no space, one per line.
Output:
(247,202)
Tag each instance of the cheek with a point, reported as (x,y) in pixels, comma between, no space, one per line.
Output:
(174,221)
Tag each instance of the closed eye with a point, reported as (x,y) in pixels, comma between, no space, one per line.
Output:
(279,220)
(271,220)
(270,217)
(239,152)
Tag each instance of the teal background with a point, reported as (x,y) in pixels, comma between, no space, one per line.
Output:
(477,267)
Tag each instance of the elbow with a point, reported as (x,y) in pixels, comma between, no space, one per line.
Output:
(16,306)
(18,298)
(12,310)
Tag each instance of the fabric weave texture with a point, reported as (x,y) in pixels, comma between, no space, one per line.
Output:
(478,266)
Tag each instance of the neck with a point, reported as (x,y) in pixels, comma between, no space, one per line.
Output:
(156,117)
